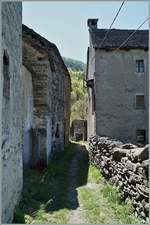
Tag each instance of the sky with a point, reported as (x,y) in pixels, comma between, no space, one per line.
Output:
(65,23)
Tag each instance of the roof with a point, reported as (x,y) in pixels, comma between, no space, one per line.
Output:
(37,39)
(116,37)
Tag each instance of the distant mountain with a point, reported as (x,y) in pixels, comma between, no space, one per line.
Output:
(74,65)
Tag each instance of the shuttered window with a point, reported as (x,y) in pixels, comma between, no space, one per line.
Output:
(140,101)
(141,136)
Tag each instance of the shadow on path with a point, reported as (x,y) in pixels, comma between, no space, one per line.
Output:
(54,188)
(78,174)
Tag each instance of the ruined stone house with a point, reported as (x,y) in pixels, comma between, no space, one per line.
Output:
(46,103)
(12,130)
(117,81)
(35,103)
(78,130)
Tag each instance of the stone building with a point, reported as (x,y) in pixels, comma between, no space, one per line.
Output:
(79,130)
(12,135)
(117,81)
(35,103)
(46,98)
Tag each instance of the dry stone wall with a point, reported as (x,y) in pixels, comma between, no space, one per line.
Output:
(126,166)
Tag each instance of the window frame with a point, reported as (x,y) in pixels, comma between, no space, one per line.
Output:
(139,107)
(145,135)
(138,66)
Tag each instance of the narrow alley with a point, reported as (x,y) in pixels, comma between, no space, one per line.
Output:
(71,191)
(74,112)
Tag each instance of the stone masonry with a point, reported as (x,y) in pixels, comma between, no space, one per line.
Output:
(127,167)
(47,121)
(35,103)
(12,135)
(117,81)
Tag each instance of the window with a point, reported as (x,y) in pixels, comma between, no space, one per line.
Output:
(140,66)
(90,84)
(6,82)
(140,101)
(141,136)
(57,131)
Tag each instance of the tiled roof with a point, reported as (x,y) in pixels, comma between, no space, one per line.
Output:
(116,37)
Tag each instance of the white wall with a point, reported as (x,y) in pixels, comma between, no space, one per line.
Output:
(27,107)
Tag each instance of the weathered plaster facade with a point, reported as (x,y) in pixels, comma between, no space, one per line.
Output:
(27,108)
(50,85)
(35,103)
(116,84)
(12,136)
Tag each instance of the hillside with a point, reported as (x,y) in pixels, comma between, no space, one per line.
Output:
(79,92)
(74,65)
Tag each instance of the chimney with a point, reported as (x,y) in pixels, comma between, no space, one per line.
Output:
(92,23)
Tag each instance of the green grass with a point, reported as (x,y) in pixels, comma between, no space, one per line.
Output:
(84,143)
(103,204)
(124,211)
(95,207)
(94,175)
(45,200)
(44,195)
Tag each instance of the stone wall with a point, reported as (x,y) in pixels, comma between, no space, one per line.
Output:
(91,116)
(12,136)
(126,166)
(60,101)
(51,95)
(37,65)
(58,95)
(27,108)
(116,86)
(67,106)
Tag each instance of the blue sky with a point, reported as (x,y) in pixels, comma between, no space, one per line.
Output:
(65,23)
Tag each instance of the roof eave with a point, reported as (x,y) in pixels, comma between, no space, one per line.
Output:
(122,48)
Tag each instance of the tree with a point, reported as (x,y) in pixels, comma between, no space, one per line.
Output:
(79,96)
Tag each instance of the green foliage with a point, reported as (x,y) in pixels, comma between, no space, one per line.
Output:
(79,97)
(19,216)
(104,202)
(94,175)
(79,92)
(96,210)
(112,193)
(74,65)
(124,211)
(45,194)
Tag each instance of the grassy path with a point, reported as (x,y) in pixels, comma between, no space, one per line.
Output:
(70,191)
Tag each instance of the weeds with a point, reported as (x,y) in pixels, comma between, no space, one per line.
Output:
(44,195)
(104,204)
(45,192)
(124,211)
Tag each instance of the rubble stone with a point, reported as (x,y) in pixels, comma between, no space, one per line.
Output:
(126,166)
